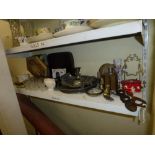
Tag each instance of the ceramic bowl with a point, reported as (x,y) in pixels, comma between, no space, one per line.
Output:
(49,83)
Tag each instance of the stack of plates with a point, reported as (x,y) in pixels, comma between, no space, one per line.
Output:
(40,37)
(98,23)
(69,27)
(72,30)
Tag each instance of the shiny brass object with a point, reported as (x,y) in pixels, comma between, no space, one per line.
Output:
(107,93)
(108,76)
(129,70)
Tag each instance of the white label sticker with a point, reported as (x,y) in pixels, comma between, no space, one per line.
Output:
(59,71)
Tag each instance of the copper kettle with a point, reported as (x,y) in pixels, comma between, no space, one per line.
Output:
(108,77)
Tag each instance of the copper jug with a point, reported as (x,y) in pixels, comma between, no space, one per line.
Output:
(108,76)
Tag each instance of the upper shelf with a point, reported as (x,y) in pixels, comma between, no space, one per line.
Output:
(130,28)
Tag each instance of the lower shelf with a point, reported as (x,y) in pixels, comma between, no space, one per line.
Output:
(81,99)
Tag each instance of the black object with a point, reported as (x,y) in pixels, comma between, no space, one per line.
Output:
(61,60)
(77,72)
(72,84)
(130,100)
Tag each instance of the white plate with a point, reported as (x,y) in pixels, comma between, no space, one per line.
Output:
(97,23)
(40,37)
(72,30)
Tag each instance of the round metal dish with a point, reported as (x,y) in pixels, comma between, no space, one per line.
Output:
(69,83)
(75,90)
(94,91)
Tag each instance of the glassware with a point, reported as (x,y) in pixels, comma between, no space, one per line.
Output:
(118,68)
(15,29)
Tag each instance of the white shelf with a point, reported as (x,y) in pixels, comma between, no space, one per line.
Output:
(81,99)
(92,35)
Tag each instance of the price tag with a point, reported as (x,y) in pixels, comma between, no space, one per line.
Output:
(38,45)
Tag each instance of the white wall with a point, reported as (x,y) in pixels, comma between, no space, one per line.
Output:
(91,56)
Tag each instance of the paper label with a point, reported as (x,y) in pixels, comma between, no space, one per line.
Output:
(59,71)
